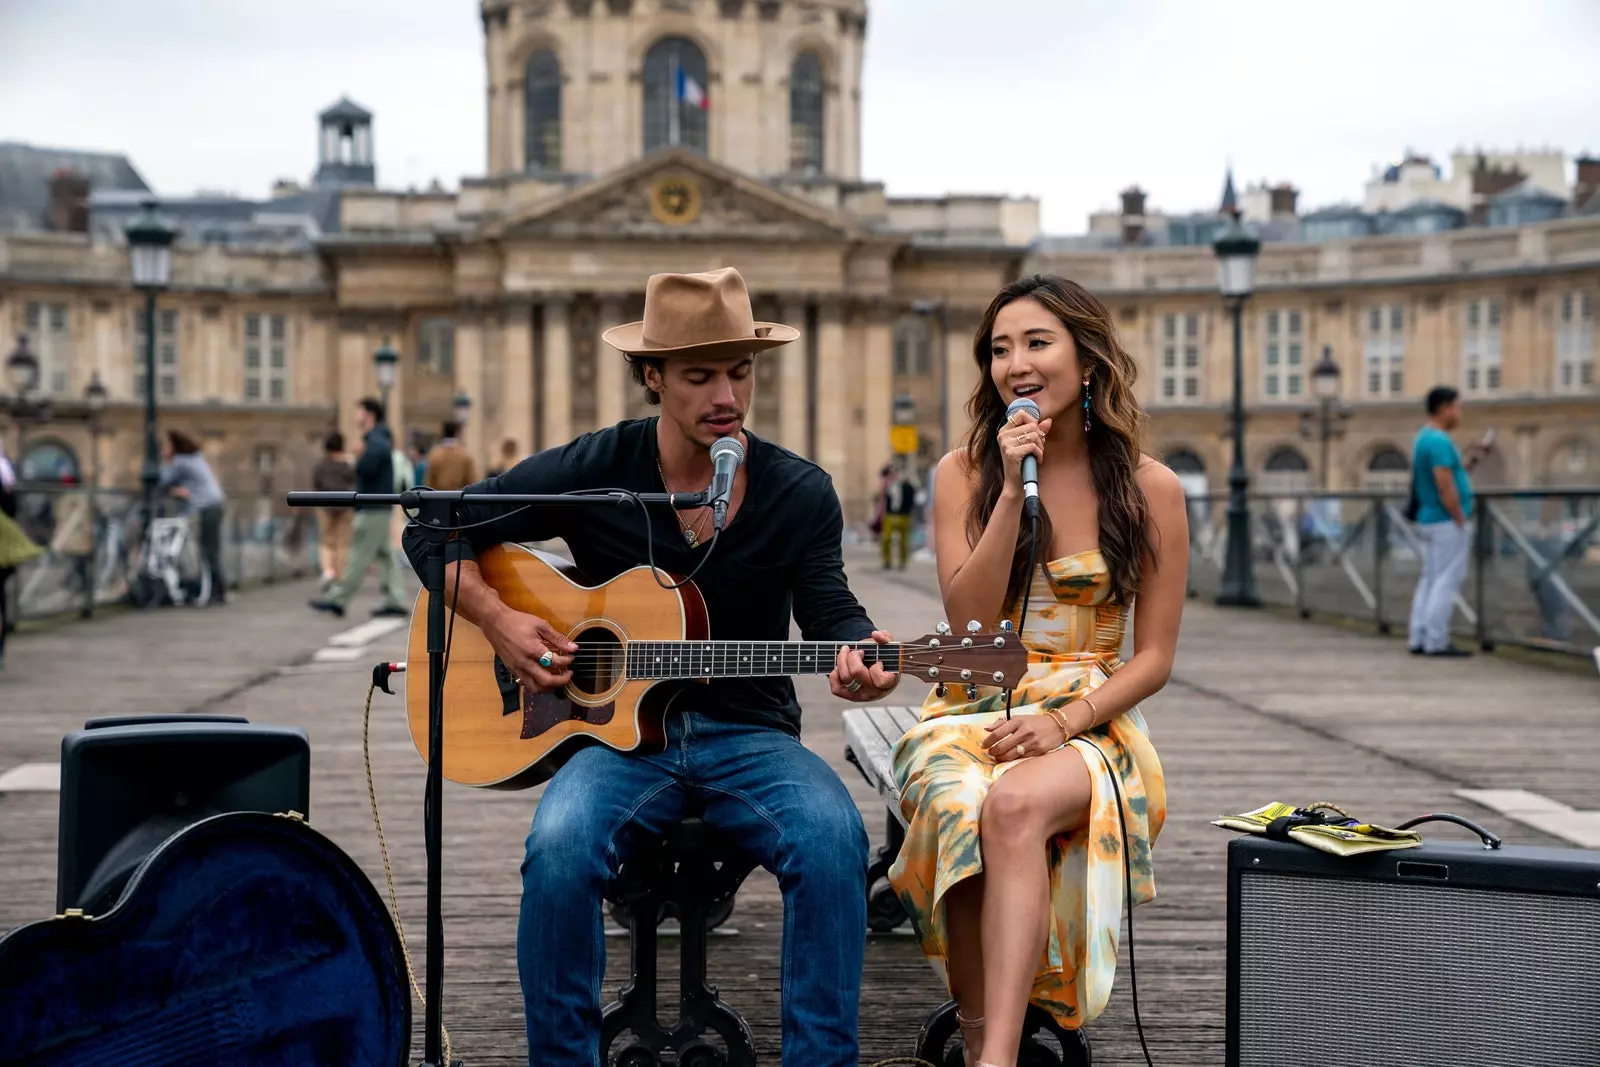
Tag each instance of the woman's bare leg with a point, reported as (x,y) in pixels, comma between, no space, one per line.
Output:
(963,909)
(1028,806)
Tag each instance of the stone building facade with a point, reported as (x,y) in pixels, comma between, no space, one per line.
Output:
(603,168)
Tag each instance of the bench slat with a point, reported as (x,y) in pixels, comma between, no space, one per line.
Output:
(871,733)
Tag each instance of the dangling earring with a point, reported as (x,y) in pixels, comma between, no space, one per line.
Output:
(1086,405)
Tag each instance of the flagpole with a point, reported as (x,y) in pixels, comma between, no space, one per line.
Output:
(676,104)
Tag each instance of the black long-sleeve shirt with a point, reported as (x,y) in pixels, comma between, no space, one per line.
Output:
(780,554)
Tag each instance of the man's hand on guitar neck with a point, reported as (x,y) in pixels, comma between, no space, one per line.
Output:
(853,679)
(521,639)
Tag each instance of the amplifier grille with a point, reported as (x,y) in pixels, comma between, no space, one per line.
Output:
(1337,973)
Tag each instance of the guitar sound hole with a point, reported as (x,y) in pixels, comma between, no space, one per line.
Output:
(598,663)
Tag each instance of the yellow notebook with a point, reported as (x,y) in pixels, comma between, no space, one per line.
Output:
(1338,834)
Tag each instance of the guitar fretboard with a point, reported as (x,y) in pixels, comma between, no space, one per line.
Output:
(744,659)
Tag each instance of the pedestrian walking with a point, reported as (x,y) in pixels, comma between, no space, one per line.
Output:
(370,541)
(897,503)
(334,473)
(450,466)
(1440,505)
(186,475)
(16,548)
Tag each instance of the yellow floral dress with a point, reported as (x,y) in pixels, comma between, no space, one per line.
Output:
(1073,635)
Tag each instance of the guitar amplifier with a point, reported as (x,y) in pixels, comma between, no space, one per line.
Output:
(1437,956)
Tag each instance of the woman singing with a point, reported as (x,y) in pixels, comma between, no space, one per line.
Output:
(1013,865)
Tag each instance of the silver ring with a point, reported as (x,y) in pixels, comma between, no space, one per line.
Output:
(855,685)
(545,661)
(1022,748)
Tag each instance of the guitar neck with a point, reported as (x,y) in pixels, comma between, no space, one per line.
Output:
(746,659)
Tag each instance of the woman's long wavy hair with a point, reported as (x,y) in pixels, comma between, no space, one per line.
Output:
(1114,447)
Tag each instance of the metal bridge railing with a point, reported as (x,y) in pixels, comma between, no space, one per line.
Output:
(1534,577)
(92,546)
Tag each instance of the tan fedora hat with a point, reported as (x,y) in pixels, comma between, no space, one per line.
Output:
(702,315)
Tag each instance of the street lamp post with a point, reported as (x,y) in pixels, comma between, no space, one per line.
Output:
(22,377)
(94,399)
(1325,386)
(1236,251)
(385,362)
(150,240)
(266,462)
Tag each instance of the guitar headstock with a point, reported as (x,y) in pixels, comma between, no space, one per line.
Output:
(976,658)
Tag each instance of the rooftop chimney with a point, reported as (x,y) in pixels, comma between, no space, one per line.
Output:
(1283,199)
(69,202)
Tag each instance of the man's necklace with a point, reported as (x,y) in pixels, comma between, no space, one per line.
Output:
(691,534)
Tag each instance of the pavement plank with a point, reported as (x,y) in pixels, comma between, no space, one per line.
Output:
(1259,709)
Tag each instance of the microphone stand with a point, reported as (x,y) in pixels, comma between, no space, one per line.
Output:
(434,512)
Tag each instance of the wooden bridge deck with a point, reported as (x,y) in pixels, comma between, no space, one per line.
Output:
(1259,710)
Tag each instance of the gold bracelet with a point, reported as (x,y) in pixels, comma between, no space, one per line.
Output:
(1061,720)
(1094,715)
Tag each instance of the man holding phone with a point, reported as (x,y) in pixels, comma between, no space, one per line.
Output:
(1442,497)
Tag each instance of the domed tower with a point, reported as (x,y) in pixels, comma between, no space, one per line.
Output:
(767,87)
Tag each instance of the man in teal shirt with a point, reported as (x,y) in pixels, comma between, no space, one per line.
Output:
(1444,504)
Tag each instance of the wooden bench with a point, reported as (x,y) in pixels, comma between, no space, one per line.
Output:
(869,736)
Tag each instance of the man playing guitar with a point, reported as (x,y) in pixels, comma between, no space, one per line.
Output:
(732,743)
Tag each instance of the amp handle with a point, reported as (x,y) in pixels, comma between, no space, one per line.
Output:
(1486,836)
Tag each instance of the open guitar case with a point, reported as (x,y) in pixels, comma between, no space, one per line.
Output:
(244,937)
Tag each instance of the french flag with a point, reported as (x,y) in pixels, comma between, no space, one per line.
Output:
(690,92)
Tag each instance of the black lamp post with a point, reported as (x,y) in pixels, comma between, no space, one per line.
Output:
(1236,250)
(1325,386)
(385,362)
(150,240)
(22,378)
(94,401)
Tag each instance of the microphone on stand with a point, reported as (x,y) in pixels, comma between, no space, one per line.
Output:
(1030,464)
(726,455)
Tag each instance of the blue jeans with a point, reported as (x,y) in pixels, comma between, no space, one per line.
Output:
(775,798)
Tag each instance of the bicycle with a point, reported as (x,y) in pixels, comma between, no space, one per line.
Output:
(170,569)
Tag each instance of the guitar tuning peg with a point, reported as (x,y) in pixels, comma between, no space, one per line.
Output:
(973,626)
(972,692)
(939,690)
(942,628)
(1006,625)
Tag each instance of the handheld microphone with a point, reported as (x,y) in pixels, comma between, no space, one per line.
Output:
(1030,464)
(726,455)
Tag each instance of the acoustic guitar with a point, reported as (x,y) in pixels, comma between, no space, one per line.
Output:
(634,638)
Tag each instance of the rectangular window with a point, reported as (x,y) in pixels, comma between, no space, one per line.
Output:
(266,358)
(1181,367)
(51,342)
(166,353)
(1575,349)
(1282,375)
(436,346)
(1480,347)
(1384,349)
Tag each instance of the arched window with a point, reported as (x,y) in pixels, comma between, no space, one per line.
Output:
(1286,471)
(541,101)
(1183,461)
(676,98)
(49,460)
(1387,471)
(805,114)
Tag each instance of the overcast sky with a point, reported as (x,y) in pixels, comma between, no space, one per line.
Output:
(1065,100)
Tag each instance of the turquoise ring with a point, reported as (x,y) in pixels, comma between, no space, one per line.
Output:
(545,661)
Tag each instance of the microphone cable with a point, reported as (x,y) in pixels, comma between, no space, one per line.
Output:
(1116,787)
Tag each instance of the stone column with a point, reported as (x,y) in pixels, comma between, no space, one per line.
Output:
(878,398)
(961,375)
(836,395)
(517,384)
(355,376)
(469,379)
(556,388)
(611,378)
(794,399)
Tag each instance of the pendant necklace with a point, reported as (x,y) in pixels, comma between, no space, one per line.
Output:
(690,534)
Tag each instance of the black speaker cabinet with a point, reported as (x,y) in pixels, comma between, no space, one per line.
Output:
(1444,955)
(127,784)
